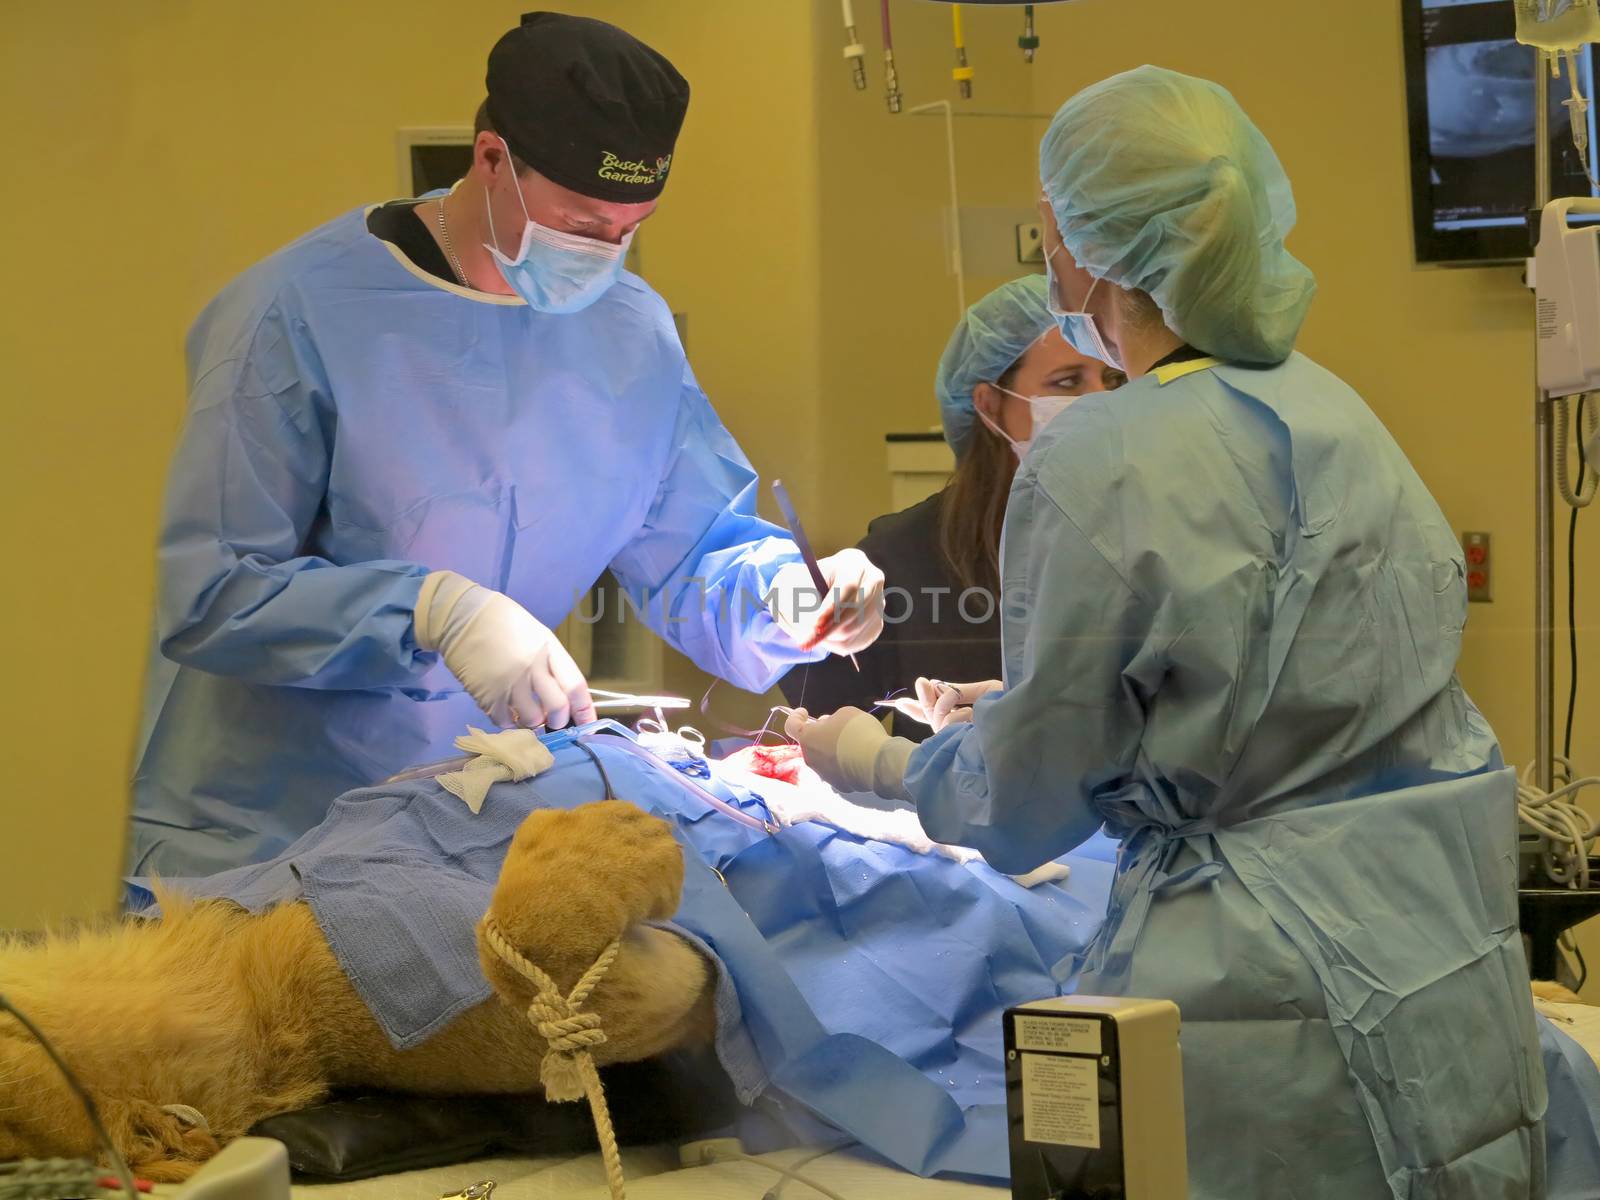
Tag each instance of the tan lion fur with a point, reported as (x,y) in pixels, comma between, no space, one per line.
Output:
(243,1017)
(1544,990)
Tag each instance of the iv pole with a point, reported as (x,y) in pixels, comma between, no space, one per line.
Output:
(1544,744)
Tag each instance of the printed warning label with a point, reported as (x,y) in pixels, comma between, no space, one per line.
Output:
(1061,1035)
(1549,319)
(1061,1101)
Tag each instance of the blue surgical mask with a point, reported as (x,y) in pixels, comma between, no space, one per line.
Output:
(557,272)
(1080,329)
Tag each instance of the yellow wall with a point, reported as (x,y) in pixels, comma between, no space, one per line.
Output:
(888,295)
(166,146)
(803,234)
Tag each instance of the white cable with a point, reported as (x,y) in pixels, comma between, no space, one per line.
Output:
(957,258)
(957,254)
(776,1191)
(1568,831)
(713,1156)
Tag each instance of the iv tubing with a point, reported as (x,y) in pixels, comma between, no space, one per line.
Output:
(618,742)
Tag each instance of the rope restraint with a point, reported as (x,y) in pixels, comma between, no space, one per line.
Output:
(568,1071)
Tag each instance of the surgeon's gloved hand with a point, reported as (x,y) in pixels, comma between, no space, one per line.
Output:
(938,704)
(847,619)
(510,663)
(852,751)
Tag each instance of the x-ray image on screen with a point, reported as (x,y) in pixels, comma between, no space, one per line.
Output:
(1473,146)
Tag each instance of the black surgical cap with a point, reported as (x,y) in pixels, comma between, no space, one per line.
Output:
(587,105)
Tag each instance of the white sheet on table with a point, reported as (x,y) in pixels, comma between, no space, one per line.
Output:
(853,1177)
(652,1174)
(516,1178)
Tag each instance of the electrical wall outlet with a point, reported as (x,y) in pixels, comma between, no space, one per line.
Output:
(1480,567)
(1030,242)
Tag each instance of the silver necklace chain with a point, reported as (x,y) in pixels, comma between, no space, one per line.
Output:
(450,250)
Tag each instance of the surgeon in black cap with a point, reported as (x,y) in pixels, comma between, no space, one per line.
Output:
(574,144)
(416,437)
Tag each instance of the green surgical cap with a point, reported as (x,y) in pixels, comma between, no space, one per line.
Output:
(994,334)
(1161,184)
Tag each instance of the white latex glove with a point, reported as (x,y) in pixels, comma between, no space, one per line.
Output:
(512,665)
(938,704)
(852,751)
(849,618)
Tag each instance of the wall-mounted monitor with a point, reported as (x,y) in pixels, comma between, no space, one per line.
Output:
(431,157)
(1470,96)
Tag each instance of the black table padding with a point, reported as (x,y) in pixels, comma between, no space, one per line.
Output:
(357,1135)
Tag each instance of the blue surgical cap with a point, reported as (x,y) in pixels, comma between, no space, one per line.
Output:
(994,334)
(1160,183)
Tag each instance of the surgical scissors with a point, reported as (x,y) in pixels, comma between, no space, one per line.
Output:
(604,699)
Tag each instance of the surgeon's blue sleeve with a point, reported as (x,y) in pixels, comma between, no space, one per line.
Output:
(1019,782)
(238,596)
(701,565)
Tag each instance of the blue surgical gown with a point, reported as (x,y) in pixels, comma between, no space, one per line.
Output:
(1231,618)
(354,424)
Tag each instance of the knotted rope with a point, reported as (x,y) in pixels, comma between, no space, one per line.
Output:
(568,1071)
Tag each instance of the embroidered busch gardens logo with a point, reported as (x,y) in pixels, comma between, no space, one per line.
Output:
(622,170)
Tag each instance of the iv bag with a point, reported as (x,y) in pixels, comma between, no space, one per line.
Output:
(1557,24)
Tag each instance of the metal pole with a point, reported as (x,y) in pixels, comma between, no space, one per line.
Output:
(1544,611)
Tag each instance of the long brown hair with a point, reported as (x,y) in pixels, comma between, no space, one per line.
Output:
(972,507)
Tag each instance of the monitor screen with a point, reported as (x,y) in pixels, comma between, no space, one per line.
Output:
(1469,88)
(436,165)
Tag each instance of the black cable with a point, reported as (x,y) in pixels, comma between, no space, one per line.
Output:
(598,766)
(1572,582)
(117,1161)
(1583,967)
(1572,630)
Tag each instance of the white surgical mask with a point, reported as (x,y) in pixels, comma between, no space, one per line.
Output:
(1041,411)
(1080,329)
(556,272)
